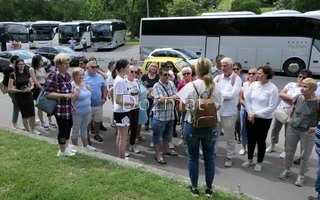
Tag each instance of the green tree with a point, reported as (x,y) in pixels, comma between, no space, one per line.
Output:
(182,8)
(306,5)
(283,5)
(246,5)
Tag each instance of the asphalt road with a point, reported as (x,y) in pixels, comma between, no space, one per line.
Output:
(265,185)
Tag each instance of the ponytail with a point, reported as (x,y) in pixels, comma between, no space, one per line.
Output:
(209,83)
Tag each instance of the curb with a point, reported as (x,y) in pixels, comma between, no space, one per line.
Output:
(119,161)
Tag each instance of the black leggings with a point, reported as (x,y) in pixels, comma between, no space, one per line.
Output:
(257,134)
(64,126)
(134,119)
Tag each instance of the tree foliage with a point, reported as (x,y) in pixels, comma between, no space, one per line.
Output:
(283,5)
(182,8)
(306,5)
(246,5)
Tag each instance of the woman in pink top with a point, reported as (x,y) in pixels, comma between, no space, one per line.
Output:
(187,77)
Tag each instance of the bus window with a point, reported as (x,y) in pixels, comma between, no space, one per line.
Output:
(316,41)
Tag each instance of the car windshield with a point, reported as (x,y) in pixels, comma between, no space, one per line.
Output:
(181,64)
(25,55)
(64,50)
(188,54)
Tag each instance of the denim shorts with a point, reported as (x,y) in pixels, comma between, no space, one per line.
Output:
(161,129)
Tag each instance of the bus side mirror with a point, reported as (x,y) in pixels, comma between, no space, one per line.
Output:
(55,30)
(88,28)
(78,29)
(110,28)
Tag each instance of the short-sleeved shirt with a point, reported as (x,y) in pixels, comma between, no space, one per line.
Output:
(20,79)
(82,103)
(188,95)
(150,82)
(292,90)
(63,107)
(134,90)
(39,73)
(97,84)
(120,87)
(163,111)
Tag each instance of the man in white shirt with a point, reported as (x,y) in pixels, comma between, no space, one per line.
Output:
(229,84)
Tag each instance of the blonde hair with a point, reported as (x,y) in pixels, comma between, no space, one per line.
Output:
(76,72)
(204,70)
(311,83)
(61,58)
(153,64)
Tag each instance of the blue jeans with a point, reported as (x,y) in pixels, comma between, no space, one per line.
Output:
(317,184)
(207,137)
(243,130)
(161,129)
(15,113)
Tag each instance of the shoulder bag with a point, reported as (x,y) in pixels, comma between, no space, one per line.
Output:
(46,104)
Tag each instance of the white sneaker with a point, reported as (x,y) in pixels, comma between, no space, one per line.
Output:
(258,168)
(283,155)
(71,149)
(151,145)
(228,162)
(247,164)
(65,153)
(242,152)
(45,126)
(34,131)
(90,148)
(270,149)
(126,154)
(171,146)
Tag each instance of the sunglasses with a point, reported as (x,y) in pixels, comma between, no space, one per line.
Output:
(235,69)
(94,67)
(133,72)
(303,77)
(165,74)
(186,73)
(252,73)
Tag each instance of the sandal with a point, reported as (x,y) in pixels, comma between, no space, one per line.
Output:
(171,153)
(160,160)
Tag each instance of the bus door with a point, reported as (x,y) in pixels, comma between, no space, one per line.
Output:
(314,63)
(212,48)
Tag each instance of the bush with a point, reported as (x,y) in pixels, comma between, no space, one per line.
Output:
(246,5)
(306,5)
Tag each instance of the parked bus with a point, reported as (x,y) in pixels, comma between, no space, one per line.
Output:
(43,33)
(15,31)
(108,34)
(76,29)
(286,42)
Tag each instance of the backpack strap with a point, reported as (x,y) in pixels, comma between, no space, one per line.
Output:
(195,88)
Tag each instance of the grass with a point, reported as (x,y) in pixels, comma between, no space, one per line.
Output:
(30,169)
(133,42)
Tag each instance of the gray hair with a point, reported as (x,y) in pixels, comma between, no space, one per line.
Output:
(227,60)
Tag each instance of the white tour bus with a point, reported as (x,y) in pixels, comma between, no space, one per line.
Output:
(76,29)
(43,33)
(286,42)
(15,31)
(108,34)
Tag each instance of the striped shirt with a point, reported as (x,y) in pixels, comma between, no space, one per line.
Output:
(63,107)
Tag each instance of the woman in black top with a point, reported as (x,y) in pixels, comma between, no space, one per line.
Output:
(20,83)
(149,80)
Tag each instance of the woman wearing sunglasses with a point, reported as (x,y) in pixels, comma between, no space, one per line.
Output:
(252,77)
(291,90)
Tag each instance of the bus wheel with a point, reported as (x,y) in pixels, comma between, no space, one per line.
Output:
(293,66)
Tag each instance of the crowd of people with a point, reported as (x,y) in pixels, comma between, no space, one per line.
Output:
(247,107)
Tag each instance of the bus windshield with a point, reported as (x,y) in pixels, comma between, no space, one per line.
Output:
(42,33)
(101,31)
(68,31)
(17,31)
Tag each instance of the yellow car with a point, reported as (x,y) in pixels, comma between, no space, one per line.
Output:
(178,63)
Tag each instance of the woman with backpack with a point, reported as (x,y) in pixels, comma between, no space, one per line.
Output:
(194,133)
